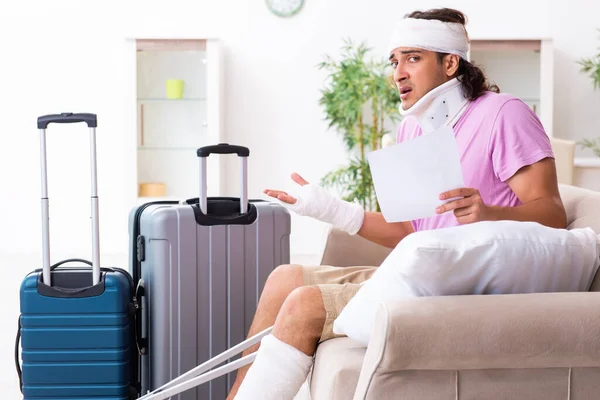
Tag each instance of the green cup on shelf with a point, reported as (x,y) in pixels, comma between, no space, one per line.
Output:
(174,88)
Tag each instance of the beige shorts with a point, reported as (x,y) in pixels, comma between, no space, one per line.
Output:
(338,285)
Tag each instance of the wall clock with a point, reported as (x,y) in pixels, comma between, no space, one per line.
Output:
(285,8)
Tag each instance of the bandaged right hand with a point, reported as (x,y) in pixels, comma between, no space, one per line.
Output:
(311,200)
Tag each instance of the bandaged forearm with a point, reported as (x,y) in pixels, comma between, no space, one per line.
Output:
(314,201)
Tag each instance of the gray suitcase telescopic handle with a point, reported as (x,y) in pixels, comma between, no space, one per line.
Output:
(224,148)
(92,122)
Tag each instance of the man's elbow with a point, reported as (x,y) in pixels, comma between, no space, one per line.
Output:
(558,214)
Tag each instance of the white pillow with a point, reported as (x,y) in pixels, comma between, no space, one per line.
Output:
(497,257)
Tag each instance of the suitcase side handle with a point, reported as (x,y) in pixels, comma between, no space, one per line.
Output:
(66,118)
(141,319)
(17,361)
(224,148)
(91,121)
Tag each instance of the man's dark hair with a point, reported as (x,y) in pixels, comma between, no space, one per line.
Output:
(473,80)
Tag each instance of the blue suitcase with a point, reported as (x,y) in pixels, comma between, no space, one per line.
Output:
(77,325)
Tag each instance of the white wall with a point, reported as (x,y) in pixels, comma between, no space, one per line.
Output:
(503,65)
(271,94)
(68,56)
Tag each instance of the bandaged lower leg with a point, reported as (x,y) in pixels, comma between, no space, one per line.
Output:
(278,372)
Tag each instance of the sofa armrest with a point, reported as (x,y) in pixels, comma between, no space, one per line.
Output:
(345,250)
(541,330)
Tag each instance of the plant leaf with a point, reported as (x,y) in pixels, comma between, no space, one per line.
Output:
(353,84)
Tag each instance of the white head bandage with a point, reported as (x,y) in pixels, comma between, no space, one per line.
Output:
(432,35)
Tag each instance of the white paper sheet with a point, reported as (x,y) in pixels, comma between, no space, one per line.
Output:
(409,176)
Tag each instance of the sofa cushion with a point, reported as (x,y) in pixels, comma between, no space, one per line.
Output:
(345,250)
(336,369)
(582,206)
(583,210)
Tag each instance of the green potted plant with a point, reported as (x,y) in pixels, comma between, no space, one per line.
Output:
(591,66)
(358,99)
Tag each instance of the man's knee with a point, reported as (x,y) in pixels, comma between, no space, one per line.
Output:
(304,305)
(285,276)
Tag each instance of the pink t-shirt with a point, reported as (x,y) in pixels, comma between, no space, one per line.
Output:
(496,136)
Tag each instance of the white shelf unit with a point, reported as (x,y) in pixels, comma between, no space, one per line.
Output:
(523,68)
(169,131)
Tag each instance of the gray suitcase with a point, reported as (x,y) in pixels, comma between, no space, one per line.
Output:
(200,266)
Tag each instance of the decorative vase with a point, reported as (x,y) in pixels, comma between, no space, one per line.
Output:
(174,88)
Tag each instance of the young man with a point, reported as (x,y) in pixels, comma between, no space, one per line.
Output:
(508,169)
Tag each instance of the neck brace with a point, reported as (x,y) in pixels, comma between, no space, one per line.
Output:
(442,106)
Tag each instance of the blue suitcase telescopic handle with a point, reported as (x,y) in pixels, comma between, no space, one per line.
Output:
(67,118)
